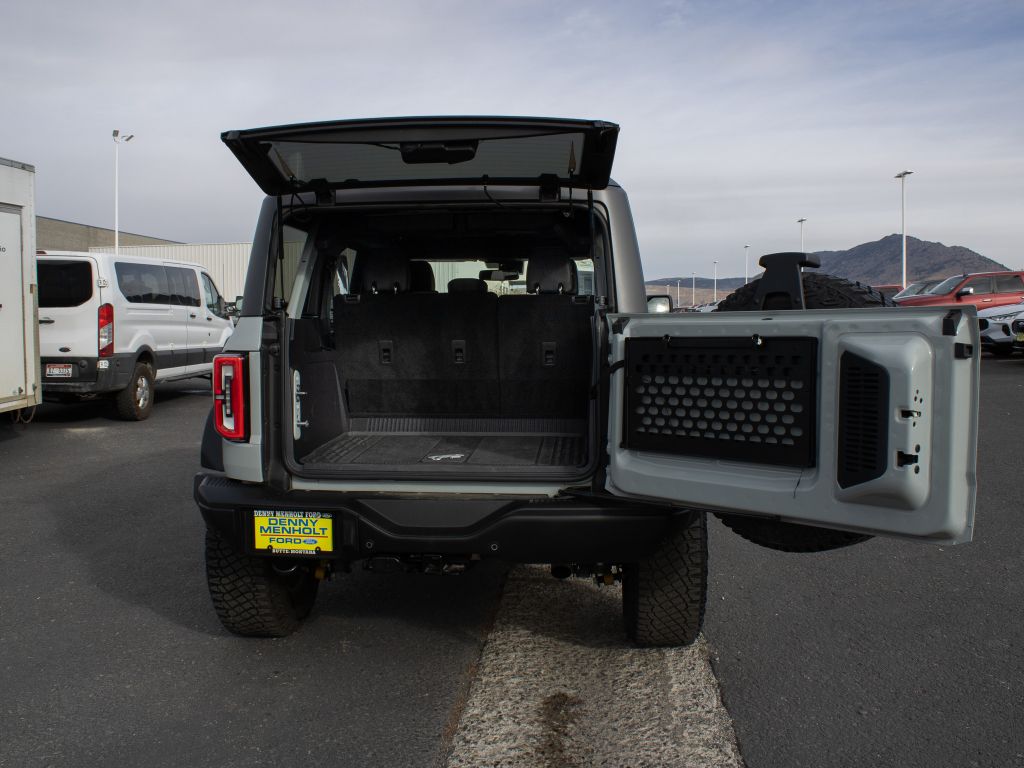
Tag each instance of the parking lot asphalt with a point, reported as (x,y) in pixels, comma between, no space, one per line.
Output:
(886,653)
(112,655)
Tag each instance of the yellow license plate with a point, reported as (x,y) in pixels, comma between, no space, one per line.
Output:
(293,533)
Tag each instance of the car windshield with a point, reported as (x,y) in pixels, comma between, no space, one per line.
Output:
(946,285)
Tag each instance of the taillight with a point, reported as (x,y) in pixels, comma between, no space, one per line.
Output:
(229,396)
(106,330)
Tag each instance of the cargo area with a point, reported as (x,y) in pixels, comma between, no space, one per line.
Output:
(437,350)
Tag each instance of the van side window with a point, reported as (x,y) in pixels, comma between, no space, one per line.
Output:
(214,303)
(143,283)
(184,286)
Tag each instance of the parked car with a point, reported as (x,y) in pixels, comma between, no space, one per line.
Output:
(982,289)
(1017,328)
(375,408)
(916,289)
(995,326)
(116,325)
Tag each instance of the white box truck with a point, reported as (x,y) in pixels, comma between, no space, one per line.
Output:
(19,330)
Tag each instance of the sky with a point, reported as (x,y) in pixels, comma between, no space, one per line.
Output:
(737,118)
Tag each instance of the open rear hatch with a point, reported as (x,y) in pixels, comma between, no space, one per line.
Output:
(410,151)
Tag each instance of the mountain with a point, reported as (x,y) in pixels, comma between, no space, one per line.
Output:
(874,263)
(880,262)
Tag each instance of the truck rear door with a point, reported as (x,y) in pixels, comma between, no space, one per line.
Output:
(862,420)
(69,302)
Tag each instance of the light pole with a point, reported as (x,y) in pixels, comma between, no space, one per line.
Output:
(902,176)
(118,140)
(715,299)
(746,264)
(693,289)
(678,300)
(801,223)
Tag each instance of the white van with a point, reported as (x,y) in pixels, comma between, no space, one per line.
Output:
(118,324)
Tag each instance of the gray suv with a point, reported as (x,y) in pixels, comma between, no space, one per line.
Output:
(445,355)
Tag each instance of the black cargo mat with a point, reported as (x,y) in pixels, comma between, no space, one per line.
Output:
(562,448)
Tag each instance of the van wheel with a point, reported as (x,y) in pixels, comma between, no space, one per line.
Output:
(135,402)
(663,596)
(820,292)
(250,596)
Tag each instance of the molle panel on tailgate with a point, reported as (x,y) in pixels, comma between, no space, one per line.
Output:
(745,399)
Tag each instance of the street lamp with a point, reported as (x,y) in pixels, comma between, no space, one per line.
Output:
(801,223)
(746,264)
(902,176)
(693,289)
(678,301)
(715,299)
(118,141)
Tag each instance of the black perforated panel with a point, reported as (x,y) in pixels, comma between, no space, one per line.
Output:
(748,399)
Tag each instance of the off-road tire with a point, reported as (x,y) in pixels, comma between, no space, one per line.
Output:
(664,595)
(135,402)
(820,292)
(250,597)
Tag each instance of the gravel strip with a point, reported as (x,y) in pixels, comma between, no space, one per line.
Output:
(558,685)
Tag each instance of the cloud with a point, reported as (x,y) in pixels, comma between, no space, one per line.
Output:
(737,118)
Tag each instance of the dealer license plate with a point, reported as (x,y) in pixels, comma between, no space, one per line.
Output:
(58,370)
(293,533)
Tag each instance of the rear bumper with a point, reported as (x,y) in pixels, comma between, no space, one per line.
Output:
(87,375)
(561,530)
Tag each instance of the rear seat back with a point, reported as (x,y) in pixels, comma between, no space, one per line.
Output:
(415,354)
(546,346)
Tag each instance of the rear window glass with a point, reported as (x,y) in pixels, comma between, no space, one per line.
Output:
(64,283)
(143,283)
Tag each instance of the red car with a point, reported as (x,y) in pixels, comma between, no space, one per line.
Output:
(983,289)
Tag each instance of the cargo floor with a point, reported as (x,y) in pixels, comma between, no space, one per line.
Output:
(475,442)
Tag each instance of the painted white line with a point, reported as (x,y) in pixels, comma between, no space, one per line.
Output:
(558,685)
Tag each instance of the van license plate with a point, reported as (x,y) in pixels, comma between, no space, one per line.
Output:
(293,533)
(58,370)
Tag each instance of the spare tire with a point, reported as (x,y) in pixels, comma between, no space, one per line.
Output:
(820,292)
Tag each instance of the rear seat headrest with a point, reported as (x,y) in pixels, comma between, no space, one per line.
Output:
(381,272)
(421,277)
(467,285)
(550,270)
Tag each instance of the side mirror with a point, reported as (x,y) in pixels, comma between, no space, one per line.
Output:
(238,304)
(659,304)
(968,291)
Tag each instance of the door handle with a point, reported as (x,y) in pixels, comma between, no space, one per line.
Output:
(46,321)
(192,315)
(209,319)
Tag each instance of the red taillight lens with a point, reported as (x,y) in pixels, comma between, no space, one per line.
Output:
(106,330)
(229,396)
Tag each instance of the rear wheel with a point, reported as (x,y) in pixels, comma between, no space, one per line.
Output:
(135,402)
(251,596)
(820,292)
(663,596)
